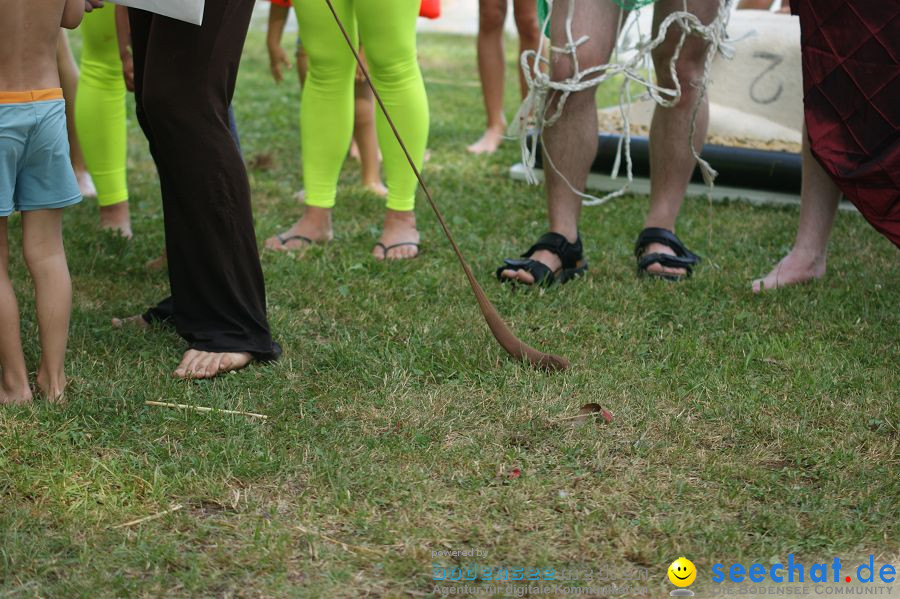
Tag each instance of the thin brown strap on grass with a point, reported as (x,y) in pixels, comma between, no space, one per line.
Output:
(515,347)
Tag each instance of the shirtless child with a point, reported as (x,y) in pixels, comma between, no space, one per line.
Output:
(36,178)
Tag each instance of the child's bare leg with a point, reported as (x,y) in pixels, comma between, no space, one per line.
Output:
(491,64)
(366,139)
(46,260)
(68,77)
(14,377)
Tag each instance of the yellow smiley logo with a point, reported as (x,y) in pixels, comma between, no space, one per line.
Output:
(682,572)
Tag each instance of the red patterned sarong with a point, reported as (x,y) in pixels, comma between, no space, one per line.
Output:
(851,89)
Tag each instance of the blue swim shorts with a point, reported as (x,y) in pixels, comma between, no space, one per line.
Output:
(35,169)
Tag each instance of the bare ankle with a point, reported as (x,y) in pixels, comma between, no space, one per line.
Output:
(52,384)
(14,388)
(400,216)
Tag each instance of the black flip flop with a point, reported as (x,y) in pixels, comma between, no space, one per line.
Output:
(386,248)
(285,240)
(570,254)
(683,258)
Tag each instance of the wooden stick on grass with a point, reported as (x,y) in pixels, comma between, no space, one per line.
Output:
(181,406)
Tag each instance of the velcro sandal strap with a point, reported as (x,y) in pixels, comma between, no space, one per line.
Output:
(540,271)
(570,254)
(668,239)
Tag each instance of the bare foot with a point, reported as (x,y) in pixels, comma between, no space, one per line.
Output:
(52,388)
(198,364)
(137,321)
(116,218)
(399,231)
(489,142)
(314,226)
(659,269)
(546,257)
(14,394)
(377,187)
(86,184)
(157,263)
(354,150)
(795,268)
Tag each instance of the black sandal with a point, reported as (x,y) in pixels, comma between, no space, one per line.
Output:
(683,258)
(570,254)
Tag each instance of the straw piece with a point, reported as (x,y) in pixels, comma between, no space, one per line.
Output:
(174,508)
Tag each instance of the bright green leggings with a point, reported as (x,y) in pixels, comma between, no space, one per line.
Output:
(100,108)
(387,29)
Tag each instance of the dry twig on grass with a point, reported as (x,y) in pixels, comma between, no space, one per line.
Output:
(182,406)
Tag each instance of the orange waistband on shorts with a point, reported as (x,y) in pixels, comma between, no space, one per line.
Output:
(37,95)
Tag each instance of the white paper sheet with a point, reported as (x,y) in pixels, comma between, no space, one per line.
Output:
(183,10)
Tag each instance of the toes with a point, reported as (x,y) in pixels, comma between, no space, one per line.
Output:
(212,365)
(197,366)
(194,364)
(520,276)
(186,360)
(525,277)
(274,243)
(404,252)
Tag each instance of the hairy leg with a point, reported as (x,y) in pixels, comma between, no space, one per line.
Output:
(491,16)
(671,162)
(571,143)
(46,260)
(819,198)
(14,376)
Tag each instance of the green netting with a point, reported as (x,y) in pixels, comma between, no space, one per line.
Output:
(626,4)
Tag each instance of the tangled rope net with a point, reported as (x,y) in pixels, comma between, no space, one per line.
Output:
(635,68)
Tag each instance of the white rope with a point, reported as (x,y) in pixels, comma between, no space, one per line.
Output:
(632,68)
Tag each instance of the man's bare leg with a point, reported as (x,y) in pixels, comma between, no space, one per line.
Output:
(491,65)
(46,261)
(571,143)
(671,162)
(14,387)
(819,198)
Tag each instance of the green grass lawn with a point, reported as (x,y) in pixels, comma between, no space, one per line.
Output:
(745,428)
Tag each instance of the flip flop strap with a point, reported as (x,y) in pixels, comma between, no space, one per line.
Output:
(285,240)
(396,245)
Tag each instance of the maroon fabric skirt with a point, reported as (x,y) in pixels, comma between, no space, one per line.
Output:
(851,89)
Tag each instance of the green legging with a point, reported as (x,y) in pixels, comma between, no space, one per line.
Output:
(387,29)
(100,108)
